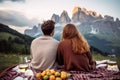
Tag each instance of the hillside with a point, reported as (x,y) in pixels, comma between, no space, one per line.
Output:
(12,41)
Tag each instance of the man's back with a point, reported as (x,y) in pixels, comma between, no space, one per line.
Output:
(43,50)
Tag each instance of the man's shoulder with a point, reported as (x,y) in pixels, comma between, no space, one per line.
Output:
(41,37)
(36,39)
(55,39)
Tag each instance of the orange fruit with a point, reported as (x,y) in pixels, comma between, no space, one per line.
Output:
(51,77)
(38,75)
(43,73)
(63,75)
(52,71)
(58,78)
(47,70)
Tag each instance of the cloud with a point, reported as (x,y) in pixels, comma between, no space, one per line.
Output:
(13,0)
(10,17)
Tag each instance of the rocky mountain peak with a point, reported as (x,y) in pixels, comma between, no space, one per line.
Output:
(117,20)
(83,15)
(80,15)
(84,10)
(64,12)
(117,23)
(32,32)
(55,18)
(108,18)
(92,13)
(76,10)
(35,27)
(64,18)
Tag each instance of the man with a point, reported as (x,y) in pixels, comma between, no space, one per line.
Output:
(44,48)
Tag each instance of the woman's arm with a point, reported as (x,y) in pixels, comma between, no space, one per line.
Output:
(91,61)
(59,57)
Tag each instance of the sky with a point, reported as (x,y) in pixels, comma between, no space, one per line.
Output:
(24,13)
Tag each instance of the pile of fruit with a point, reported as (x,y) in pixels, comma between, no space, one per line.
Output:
(51,74)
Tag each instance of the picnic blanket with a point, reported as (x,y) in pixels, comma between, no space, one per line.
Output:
(100,73)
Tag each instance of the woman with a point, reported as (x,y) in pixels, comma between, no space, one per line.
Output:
(73,51)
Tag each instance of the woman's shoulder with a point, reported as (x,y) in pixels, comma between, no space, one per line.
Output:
(64,41)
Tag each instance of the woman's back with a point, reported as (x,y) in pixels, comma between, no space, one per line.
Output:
(74,50)
(71,60)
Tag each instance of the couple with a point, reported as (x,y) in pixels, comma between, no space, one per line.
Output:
(72,52)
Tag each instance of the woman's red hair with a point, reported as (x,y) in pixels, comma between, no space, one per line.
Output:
(79,44)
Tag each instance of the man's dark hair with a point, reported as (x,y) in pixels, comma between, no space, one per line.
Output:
(47,27)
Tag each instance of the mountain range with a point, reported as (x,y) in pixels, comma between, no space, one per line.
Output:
(101,32)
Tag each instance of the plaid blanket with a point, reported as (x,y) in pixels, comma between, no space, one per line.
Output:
(100,73)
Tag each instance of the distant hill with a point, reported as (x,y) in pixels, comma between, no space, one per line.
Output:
(12,41)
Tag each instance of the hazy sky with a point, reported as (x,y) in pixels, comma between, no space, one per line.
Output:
(43,9)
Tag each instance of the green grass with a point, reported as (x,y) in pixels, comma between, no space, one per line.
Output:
(100,57)
(4,35)
(7,60)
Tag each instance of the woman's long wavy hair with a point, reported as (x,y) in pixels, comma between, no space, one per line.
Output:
(79,44)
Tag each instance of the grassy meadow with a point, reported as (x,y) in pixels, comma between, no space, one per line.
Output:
(7,60)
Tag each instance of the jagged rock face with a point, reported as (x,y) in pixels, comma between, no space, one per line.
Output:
(76,13)
(117,22)
(55,18)
(84,28)
(33,32)
(82,15)
(104,27)
(108,18)
(64,18)
(101,27)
